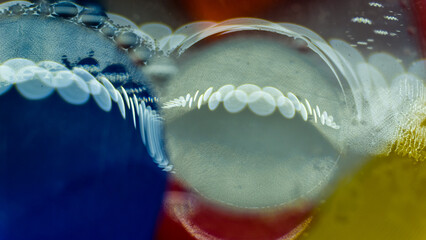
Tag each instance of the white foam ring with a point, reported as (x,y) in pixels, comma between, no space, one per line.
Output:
(76,93)
(286,107)
(235,101)
(141,122)
(249,88)
(149,132)
(126,97)
(103,99)
(136,102)
(30,82)
(304,113)
(120,103)
(26,73)
(262,102)
(62,79)
(214,101)
(34,89)
(18,63)
(7,75)
(200,101)
(110,88)
(224,90)
(61,76)
(294,100)
(38,81)
(207,93)
(308,106)
(94,86)
(52,66)
(157,144)
(132,107)
(275,93)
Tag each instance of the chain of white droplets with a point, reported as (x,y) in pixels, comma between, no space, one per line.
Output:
(39,80)
(262,102)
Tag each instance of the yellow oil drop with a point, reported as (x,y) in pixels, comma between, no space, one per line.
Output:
(385,198)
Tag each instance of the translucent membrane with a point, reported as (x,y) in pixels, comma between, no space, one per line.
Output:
(252,140)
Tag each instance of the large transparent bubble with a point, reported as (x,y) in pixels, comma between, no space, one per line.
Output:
(255,120)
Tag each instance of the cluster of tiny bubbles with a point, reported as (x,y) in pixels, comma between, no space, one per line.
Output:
(119,29)
(218,111)
(101,59)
